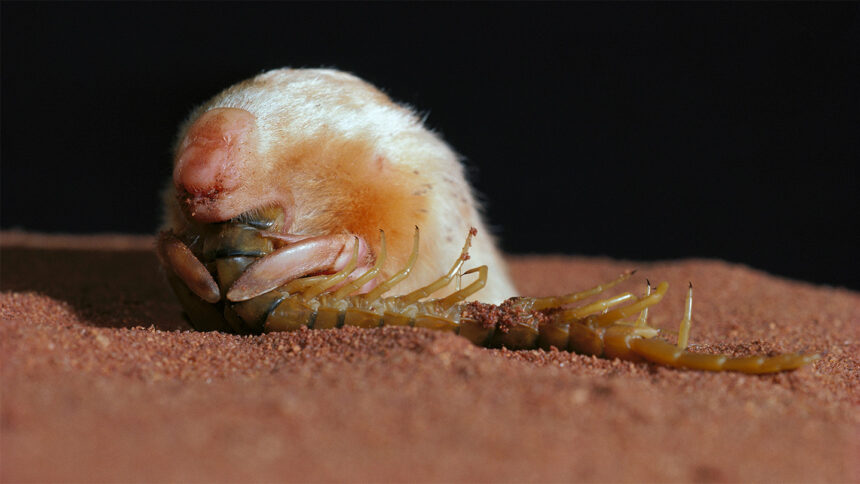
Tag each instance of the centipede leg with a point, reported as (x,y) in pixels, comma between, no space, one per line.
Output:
(595,307)
(684,329)
(467,291)
(302,283)
(443,281)
(554,302)
(367,276)
(399,276)
(643,316)
(631,309)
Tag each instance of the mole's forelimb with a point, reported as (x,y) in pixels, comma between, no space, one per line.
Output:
(341,161)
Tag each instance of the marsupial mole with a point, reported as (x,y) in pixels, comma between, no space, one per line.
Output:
(343,162)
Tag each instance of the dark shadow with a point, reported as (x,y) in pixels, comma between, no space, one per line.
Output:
(106,288)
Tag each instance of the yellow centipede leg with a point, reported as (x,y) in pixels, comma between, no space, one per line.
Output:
(399,276)
(554,302)
(595,307)
(643,316)
(684,330)
(467,291)
(302,283)
(631,309)
(367,276)
(443,281)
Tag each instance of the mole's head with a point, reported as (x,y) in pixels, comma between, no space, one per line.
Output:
(216,171)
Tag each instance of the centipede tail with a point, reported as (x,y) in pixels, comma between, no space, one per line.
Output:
(206,266)
(624,340)
(664,353)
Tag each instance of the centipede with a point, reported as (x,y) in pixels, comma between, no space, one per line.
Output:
(205,268)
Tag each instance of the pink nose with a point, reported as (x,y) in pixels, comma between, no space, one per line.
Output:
(210,158)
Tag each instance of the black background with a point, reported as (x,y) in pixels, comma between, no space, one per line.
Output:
(637,131)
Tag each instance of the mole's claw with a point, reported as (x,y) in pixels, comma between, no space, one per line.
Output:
(329,253)
(178,257)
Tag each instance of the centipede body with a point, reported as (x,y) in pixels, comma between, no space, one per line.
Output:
(226,250)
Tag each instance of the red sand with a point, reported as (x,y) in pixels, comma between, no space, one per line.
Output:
(103,381)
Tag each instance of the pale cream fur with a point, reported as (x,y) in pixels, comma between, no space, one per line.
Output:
(353,161)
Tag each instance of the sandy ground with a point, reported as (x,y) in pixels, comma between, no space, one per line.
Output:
(102,380)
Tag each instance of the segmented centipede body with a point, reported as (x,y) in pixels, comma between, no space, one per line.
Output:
(205,270)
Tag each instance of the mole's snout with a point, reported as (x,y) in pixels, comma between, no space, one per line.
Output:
(211,158)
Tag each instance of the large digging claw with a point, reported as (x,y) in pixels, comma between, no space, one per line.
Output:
(179,259)
(313,255)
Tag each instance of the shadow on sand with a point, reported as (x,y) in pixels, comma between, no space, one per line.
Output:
(106,288)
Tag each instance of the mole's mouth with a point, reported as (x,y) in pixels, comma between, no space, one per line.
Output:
(270,218)
(209,209)
(201,206)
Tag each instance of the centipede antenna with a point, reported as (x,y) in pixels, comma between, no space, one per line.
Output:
(643,316)
(552,302)
(399,276)
(443,281)
(367,276)
(318,289)
(684,330)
